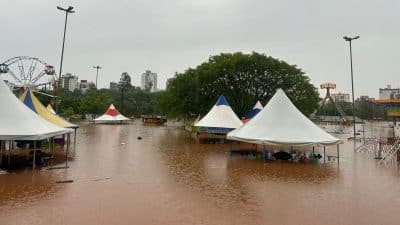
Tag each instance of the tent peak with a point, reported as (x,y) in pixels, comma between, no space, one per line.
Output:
(258,105)
(222,101)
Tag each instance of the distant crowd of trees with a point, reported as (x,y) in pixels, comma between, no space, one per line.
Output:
(135,102)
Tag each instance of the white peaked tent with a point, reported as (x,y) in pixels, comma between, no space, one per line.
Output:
(18,122)
(220,116)
(281,123)
(112,115)
(256,109)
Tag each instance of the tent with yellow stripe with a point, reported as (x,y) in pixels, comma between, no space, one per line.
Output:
(30,100)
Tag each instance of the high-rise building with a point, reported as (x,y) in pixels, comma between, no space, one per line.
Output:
(84,85)
(149,81)
(341,97)
(389,92)
(114,86)
(69,82)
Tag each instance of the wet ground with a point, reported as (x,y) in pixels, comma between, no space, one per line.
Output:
(165,178)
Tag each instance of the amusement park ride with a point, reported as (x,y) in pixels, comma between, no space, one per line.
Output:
(328,97)
(26,71)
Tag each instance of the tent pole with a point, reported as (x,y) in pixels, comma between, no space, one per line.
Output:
(34,155)
(1,153)
(66,152)
(337,149)
(324,155)
(264,154)
(49,142)
(75,139)
(11,147)
(54,145)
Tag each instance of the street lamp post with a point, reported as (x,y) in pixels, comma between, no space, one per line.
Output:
(67,11)
(350,39)
(97,73)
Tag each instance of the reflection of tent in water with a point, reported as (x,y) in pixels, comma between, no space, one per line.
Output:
(254,111)
(220,119)
(281,123)
(20,123)
(112,115)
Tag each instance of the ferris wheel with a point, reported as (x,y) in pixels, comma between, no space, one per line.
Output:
(26,71)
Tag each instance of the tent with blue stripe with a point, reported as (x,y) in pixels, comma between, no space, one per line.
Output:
(256,109)
(220,119)
(30,100)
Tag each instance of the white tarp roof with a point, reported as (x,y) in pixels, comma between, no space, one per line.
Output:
(256,109)
(112,114)
(281,123)
(221,115)
(258,105)
(18,122)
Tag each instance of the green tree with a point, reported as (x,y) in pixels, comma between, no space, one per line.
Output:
(242,78)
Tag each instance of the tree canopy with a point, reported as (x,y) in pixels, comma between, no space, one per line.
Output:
(76,104)
(242,79)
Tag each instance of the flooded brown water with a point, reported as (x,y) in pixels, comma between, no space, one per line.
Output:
(166,178)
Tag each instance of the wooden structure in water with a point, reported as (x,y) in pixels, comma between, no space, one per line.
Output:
(153,120)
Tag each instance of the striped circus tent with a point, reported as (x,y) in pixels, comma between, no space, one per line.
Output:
(30,100)
(220,119)
(112,115)
(50,108)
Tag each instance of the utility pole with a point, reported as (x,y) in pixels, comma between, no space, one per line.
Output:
(67,11)
(97,73)
(350,39)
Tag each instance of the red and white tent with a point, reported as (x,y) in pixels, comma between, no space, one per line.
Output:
(112,115)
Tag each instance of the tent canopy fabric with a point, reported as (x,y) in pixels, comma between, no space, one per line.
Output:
(281,123)
(50,108)
(112,114)
(256,109)
(30,100)
(221,116)
(18,122)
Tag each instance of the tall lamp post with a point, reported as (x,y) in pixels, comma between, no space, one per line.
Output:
(97,73)
(67,11)
(350,39)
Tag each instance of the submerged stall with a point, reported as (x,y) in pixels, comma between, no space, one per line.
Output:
(20,123)
(219,120)
(280,123)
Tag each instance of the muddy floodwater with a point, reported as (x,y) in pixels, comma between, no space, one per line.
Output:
(166,178)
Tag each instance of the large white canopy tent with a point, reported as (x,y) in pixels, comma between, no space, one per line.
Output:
(112,115)
(281,123)
(18,122)
(220,119)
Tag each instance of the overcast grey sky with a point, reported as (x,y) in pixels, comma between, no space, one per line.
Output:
(172,35)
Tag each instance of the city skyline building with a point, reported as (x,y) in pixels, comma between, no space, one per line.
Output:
(114,86)
(69,82)
(341,97)
(389,92)
(149,81)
